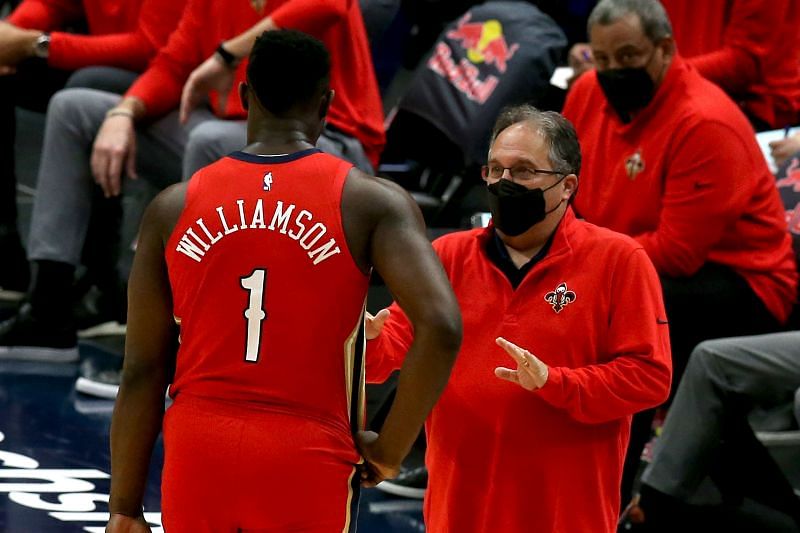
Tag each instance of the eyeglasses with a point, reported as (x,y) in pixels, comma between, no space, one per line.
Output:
(518,173)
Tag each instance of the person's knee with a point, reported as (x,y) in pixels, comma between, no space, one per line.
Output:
(102,78)
(208,142)
(84,78)
(704,356)
(73,105)
(204,139)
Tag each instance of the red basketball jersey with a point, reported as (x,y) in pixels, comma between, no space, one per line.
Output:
(269,300)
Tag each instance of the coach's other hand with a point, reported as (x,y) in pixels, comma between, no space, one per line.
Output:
(375,323)
(377,466)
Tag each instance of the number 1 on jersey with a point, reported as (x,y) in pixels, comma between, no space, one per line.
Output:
(254,314)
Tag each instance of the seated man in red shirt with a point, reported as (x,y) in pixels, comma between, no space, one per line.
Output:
(747,47)
(539,446)
(102,136)
(35,61)
(672,161)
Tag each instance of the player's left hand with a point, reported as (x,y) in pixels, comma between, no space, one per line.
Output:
(375,468)
(211,75)
(120,523)
(531,372)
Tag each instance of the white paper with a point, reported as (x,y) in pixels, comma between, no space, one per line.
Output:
(560,77)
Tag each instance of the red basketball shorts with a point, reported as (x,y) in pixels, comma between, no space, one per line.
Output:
(232,468)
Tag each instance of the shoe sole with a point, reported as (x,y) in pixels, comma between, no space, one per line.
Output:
(11,296)
(40,354)
(102,390)
(400,490)
(106,329)
(93,388)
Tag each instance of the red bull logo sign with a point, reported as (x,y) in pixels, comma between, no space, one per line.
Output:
(484,44)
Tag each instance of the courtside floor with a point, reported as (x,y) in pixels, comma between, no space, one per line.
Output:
(54,459)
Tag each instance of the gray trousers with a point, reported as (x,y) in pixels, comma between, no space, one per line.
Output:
(166,152)
(724,378)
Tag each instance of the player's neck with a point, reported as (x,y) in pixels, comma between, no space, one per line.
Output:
(278,137)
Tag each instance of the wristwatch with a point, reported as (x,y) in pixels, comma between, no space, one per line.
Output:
(227,58)
(42,46)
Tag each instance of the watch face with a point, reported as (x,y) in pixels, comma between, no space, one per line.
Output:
(42,48)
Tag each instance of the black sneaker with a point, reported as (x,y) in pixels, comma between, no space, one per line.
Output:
(408,484)
(14,268)
(98,315)
(26,337)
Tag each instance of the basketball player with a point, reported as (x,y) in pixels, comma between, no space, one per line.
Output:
(267,397)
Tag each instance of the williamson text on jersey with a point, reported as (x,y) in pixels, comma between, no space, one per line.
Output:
(297,224)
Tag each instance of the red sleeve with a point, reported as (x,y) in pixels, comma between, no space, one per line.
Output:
(132,51)
(703,195)
(309,16)
(70,51)
(45,15)
(386,353)
(749,37)
(639,371)
(160,86)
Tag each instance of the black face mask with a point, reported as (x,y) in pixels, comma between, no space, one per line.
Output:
(626,89)
(515,209)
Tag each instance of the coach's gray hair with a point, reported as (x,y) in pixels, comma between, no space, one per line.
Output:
(564,151)
(651,13)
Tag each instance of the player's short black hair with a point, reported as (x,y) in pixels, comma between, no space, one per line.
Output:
(287,67)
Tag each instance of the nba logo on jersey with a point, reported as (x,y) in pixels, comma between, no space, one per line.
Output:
(268,181)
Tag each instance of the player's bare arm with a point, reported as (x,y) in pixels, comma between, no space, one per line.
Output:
(150,350)
(385,230)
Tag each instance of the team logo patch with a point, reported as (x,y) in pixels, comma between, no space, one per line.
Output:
(258,5)
(560,297)
(634,165)
(268,181)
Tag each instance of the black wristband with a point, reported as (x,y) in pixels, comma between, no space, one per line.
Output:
(228,58)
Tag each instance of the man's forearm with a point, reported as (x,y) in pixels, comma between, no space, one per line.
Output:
(135,426)
(422,379)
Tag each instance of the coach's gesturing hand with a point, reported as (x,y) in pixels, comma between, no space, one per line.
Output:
(531,372)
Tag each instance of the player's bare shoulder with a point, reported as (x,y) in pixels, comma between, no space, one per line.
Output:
(374,207)
(164,211)
(371,196)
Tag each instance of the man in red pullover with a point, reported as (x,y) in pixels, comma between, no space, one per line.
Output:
(747,47)
(672,161)
(750,48)
(539,446)
(36,59)
(104,136)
